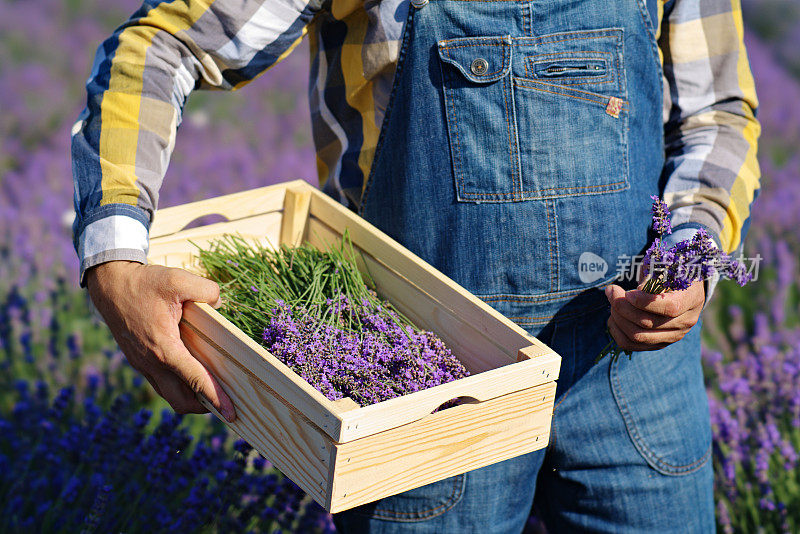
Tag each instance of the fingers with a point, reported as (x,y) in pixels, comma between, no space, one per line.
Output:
(671,304)
(142,306)
(196,379)
(636,329)
(635,334)
(622,307)
(177,393)
(626,343)
(188,286)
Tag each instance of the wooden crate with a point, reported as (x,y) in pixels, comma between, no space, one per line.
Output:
(340,453)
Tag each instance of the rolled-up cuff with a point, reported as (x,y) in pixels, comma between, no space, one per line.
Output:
(685,232)
(115,237)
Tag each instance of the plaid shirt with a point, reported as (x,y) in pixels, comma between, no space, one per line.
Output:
(143,74)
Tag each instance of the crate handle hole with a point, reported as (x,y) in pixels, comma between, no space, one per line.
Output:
(204,220)
(458,401)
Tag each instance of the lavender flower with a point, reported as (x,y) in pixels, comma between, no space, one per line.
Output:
(661,216)
(687,261)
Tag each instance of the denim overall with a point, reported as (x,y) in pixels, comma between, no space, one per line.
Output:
(518,154)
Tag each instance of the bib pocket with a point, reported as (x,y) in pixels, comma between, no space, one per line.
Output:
(533,118)
(480,118)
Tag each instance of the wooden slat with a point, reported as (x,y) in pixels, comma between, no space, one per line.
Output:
(295,215)
(418,405)
(472,310)
(345,405)
(176,251)
(235,206)
(274,427)
(474,347)
(448,443)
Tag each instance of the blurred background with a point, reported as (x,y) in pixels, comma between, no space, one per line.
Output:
(85,445)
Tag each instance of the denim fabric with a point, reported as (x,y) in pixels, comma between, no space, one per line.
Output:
(520,147)
(629,452)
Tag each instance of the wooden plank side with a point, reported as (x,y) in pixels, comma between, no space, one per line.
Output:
(235,206)
(236,345)
(448,443)
(271,425)
(478,351)
(480,387)
(176,251)
(472,310)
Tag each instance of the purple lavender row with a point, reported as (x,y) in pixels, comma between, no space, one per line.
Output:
(383,361)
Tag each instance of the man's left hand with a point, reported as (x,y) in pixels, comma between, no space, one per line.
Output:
(642,321)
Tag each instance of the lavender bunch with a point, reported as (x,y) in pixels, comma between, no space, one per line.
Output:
(677,267)
(317,313)
(384,360)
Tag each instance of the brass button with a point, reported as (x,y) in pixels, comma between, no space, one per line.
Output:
(479,66)
(419,3)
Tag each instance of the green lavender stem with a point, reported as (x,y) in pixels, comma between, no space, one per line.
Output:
(255,279)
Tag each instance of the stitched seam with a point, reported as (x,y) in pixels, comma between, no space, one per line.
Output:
(566,393)
(597,34)
(390,105)
(535,299)
(581,187)
(557,193)
(515,171)
(470,45)
(451,501)
(552,189)
(603,101)
(478,41)
(569,54)
(457,164)
(531,73)
(623,108)
(544,41)
(581,81)
(648,24)
(557,93)
(640,443)
(557,246)
(527,26)
(549,210)
(562,317)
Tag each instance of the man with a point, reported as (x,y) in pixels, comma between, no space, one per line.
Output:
(511,144)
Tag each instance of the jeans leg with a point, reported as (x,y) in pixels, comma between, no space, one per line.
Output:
(630,445)
(492,500)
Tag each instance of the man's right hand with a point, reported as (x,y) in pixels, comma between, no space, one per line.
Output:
(142,305)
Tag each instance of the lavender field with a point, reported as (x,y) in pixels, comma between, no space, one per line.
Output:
(86,445)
